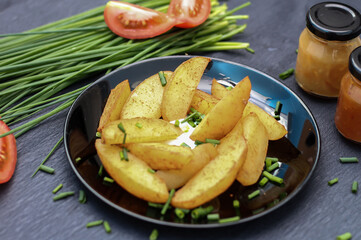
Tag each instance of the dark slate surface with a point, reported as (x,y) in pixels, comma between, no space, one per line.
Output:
(317,212)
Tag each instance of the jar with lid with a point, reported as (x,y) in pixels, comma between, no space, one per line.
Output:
(348,111)
(332,32)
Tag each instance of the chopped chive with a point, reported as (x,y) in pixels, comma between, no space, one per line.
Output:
(185,145)
(98,135)
(333,181)
(121,155)
(229,88)
(193,110)
(272,167)
(354,187)
(213,141)
(189,117)
(107,227)
(268,162)
(57,188)
(179,213)
(254,194)
(272,159)
(256,211)
(77,160)
(100,172)
(157,205)
(236,207)
(163,81)
(94,223)
(263,182)
(151,170)
(250,50)
(349,159)
(345,236)
(201,212)
(138,125)
(82,197)
(278,108)
(286,73)
(46,169)
(213,217)
(154,235)
(197,142)
(121,127)
(125,137)
(108,180)
(283,195)
(272,178)
(63,195)
(228,220)
(296,51)
(190,122)
(166,205)
(125,154)
(176,123)
(277,117)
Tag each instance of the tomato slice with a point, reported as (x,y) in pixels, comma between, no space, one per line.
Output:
(7,154)
(135,22)
(189,13)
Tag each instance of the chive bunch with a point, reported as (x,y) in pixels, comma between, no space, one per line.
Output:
(37,67)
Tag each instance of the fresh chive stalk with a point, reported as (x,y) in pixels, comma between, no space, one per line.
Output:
(57,188)
(228,220)
(213,217)
(254,194)
(94,223)
(354,187)
(286,74)
(250,50)
(333,181)
(107,227)
(47,169)
(163,81)
(272,178)
(263,182)
(166,205)
(213,141)
(348,159)
(62,195)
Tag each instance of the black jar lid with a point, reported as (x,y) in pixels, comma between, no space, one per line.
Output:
(334,21)
(354,64)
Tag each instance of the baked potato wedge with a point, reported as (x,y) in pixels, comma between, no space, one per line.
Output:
(179,92)
(132,175)
(152,130)
(161,155)
(203,102)
(257,143)
(225,114)
(174,179)
(218,90)
(114,105)
(146,99)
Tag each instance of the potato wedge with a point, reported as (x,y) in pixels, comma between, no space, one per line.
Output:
(114,105)
(257,143)
(161,155)
(217,175)
(132,175)
(153,130)
(224,116)
(203,102)
(146,99)
(176,178)
(275,129)
(179,92)
(218,90)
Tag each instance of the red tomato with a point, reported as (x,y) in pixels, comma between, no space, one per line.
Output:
(189,13)
(7,154)
(135,22)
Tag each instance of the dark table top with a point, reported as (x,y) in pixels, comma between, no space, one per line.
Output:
(317,212)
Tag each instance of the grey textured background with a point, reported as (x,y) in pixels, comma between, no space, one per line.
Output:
(317,212)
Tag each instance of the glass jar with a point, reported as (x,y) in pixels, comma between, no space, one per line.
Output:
(348,112)
(332,32)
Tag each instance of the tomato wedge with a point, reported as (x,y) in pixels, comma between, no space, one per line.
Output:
(7,154)
(189,13)
(135,22)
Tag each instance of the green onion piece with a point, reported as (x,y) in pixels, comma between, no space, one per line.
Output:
(333,181)
(345,236)
(254,194)
(283,195)
(121,155)
(189,117)
(77,160)
(268,162)
(228,220)
(256,211)
(63,195)
(272,159)
(107,227)
(82,197)
(278,108)
(157,205)
(179,213)
(121,127)
(108,180)
(213,141)
(46,169)
(125,154)
(229,88)
(165,207)
(185,145)
(94,223)
(138,125)
(98,135)
(272,178)
(201,212)
(354,187)
(151,170)
(193,110)
(263,182)
(190,122)
(296,51)
(197,142)
(154,235)
(286,73)
(349,159)
(236,207)
(277,117)
(176,123)
(213,217)
(272,167)
(100,172)
(163,81)
(125,137)
(250,50)
(57,188)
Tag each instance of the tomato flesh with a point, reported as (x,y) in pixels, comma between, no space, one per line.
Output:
(189,13)
(7,154)
(135,22)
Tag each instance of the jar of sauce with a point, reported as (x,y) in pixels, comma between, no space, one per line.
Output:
(348,112)
(332,32)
